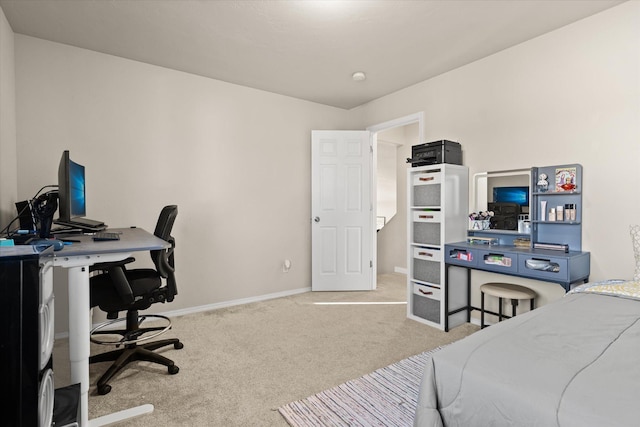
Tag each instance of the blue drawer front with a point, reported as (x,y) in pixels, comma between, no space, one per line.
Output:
(547,268)
(500,262)
(464,257)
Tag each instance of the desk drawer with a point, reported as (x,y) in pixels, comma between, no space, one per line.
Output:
(429,254)
(501,262)
(425,303)
(426,291)
(464,257)
(427,177)
(427,193)
(426,216)
(547,268)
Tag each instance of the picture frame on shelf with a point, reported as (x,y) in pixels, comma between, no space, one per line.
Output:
(565,179)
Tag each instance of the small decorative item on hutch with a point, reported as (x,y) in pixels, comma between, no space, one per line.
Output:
(543,184)
(566,179)
(480,221)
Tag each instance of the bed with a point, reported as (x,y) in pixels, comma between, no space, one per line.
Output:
(573,362)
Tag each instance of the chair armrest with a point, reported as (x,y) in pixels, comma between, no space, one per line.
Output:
(105,266)
(121,284)
(165,260)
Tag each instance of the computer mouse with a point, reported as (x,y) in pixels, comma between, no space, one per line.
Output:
(42,244)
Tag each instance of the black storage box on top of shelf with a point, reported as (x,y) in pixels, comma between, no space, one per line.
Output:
(505,216)
(432,153)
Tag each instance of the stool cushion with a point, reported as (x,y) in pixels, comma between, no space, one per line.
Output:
(507,290)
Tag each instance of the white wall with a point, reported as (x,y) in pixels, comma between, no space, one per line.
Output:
(570,96)
(8,163)
(235,160)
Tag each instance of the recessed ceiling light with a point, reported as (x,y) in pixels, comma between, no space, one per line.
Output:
(358,76)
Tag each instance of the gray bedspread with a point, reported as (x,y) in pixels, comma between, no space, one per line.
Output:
(574,362)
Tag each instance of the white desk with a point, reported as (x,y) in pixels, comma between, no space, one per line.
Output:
(77,258)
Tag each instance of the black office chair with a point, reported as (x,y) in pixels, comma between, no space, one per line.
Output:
(118,289)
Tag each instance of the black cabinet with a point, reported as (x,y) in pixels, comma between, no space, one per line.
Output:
(26,339)
(26,342)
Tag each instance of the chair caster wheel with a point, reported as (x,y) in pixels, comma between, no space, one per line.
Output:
(173,369)
(178,345)
(104,389)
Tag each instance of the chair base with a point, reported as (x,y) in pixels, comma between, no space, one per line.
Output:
(133,347)
(132,353)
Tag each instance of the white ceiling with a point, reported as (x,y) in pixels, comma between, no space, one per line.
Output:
(303,49)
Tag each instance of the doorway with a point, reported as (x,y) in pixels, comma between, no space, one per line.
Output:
(392,143)
(338,250)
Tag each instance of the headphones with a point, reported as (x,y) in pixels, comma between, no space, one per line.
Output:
(44,206)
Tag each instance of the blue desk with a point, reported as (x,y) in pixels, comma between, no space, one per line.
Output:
(555,266)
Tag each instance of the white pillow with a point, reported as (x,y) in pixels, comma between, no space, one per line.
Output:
(635,240)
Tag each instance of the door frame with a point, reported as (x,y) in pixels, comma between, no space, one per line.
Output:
(374,129)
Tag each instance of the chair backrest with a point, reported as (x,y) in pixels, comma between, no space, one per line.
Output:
(165,222)
(164,259)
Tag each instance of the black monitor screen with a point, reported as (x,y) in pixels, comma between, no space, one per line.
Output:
(519,195)
(76,190)
(71,188)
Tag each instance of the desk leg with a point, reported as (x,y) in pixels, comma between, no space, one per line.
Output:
(79,330)
(446,297)
(468,295)
(79,350)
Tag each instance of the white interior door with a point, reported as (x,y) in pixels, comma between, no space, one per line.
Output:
(342,226)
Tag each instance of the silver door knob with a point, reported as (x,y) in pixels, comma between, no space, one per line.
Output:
(316,219)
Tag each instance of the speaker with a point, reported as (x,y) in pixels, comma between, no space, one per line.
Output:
(26,341)
(25,215)
(66,408)
(505,209)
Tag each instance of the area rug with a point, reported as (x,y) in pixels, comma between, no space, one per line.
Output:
(386,397)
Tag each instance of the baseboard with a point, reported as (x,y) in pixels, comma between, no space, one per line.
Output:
(225,304)
(400,270)
(216,306)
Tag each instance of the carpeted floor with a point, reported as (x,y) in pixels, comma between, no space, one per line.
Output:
(240,364)
(386,397)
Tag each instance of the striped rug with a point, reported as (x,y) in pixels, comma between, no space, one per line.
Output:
(386,397)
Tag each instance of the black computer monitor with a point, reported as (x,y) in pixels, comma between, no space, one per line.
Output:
(72,206)
(71,189)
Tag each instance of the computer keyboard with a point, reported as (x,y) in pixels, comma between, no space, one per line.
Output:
(105,235)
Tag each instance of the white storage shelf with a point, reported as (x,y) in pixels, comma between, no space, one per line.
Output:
(438,214)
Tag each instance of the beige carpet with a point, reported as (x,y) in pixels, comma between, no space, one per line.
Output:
(240,364)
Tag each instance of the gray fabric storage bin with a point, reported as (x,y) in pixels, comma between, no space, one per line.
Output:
(426,233)
(426,271)
(426,195)
(426,308)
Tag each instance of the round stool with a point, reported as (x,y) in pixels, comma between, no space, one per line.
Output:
(505,290)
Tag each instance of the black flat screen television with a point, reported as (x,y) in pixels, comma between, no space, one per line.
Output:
(72,205)
(519,195)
